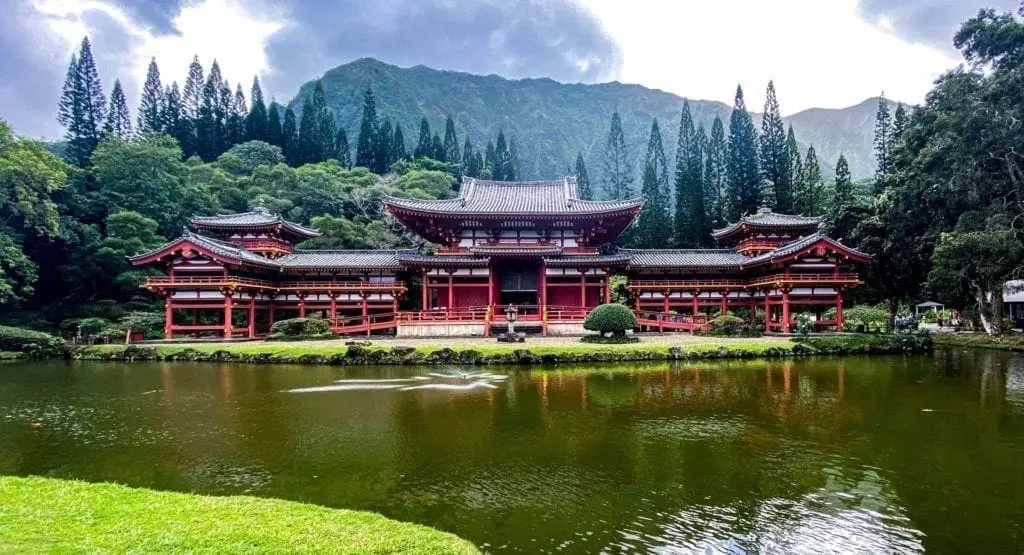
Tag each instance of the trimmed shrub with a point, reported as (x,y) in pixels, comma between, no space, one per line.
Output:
(35,344)
(730,326)
(804,322)
(91,327)
(610,318)
(299,327)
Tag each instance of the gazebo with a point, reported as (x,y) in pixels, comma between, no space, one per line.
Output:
(928,305)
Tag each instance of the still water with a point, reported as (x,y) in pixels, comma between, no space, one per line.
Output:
(857,454)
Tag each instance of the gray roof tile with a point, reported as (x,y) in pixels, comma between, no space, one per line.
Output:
(341,259)
(258,216)
(768,219)
(478,196)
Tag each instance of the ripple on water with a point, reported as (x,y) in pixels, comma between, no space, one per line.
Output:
(705,428)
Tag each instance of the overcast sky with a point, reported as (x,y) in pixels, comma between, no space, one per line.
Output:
(821,53)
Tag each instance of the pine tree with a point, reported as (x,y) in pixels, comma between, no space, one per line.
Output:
(341,146)
(451,142)
(398,151)
(775,168)
(225,101)
(467,157)
(423,143)
(489,159)
(236,119)
(326,127)
(382,158)
(883,143)
(119,120)
(512,168)
(437,148)
(654,219)
(150,104)
(171,120)
(307,128)
(796,168)
(582,179)
(687,192)
(476,165)
(191,100)
(290,138)
(274,133)
(366,143)
(699,216)
(256,121)
(843,186)
(714,175)
(501,170)
(82,104)
(209,125)
(742,174)
(618,173)
(812,177)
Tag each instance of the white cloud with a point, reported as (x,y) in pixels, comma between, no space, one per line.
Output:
(820,53)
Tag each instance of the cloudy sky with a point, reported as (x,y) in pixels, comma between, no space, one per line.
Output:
(821,53)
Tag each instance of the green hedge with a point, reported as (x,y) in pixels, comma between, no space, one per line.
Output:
(35,344)
(610,318)
(299,327)
(730,326)
(609,340)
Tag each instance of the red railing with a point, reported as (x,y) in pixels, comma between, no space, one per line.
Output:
(804,278)
(211,280)
(475,314)
(679,322)
(178,281)
(683,283)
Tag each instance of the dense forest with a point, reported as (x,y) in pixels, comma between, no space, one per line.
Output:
(939,215)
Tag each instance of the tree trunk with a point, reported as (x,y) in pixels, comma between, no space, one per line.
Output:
(990,309)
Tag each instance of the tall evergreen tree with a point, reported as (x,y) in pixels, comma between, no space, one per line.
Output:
(437,148)
(714,174)
(341,146)
(883,143)
(451,142)
(382,158)
(699,216)
(689,193)
(618,173)
(306,143)
(900,121)
(467,157)
(257,120)
(423,145)
(82,106)
(512,168)
(476,165)
(654,219)
(812,177)
(742,174)
(583,187)
(225,102)
(843,186)
(192,97)
(290,138)
(796,168)
(172,121)
(366,143)
(237,116)
(150,103)
(210,125)
(119,120)
(275,135)
(502,167)
(775,157)
(317,129)
(489,159)
(398,151)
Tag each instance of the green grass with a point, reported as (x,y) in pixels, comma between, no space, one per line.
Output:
(1006,342)
(50,515)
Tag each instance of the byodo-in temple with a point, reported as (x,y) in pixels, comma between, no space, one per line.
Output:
(534,246)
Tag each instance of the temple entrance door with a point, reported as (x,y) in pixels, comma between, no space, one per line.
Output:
(518,282)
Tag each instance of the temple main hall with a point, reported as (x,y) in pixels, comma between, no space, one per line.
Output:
(531,246)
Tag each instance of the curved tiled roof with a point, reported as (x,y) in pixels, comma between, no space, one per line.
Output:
(341,259)
(257,217)
(765,218)
(478,196)
(685,258)
(801,243)
(515,249)
(434,261)
(215,246)
(620,259)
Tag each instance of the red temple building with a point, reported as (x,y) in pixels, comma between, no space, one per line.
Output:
(532,245)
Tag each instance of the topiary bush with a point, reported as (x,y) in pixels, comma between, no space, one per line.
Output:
(299,328)
(35,344)
(730,326)
(612,319)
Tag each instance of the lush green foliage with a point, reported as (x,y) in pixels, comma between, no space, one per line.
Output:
(299,327)
(612,318)
(609,339)
(729,325)
(50,515)
(870,317)
(30,342)
(869,343)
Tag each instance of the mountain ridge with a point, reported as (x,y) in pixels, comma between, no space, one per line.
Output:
(552,121)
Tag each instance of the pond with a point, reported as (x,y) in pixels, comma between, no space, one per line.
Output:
(858,454)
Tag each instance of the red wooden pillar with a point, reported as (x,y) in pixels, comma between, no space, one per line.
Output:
(426,291)
(227,315)
(695,300)
(334,310)
(451,290)
(583,288)
(607,287)
(168,317)
(270,313)
(543,287)
(753,308)
(785,310)
(252,316)
(302,305)
(664,301)
(725,301)
(366,321)
(839,310)
(767,310)
(490,286)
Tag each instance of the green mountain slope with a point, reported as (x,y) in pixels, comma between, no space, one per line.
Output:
(552,121)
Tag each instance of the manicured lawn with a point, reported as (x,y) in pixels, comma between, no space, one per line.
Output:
(50,515)
(1008,341)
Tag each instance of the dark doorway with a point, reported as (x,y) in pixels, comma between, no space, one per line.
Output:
(518,283)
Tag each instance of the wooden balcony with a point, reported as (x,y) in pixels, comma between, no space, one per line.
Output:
(234,282)
(776,280)
(685,284)
(808,280)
